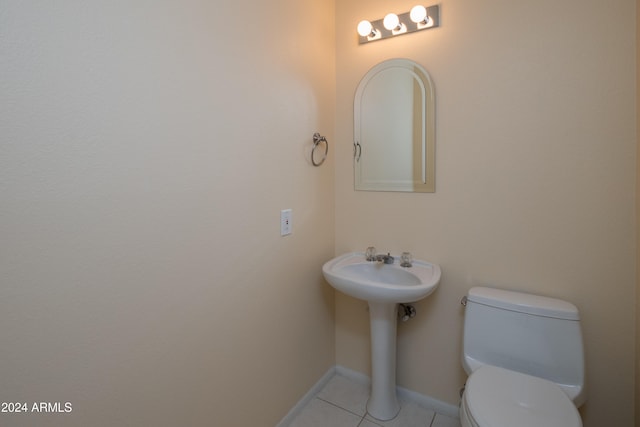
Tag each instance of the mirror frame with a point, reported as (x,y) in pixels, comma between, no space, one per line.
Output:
(427,184)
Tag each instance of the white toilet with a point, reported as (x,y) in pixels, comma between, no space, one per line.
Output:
(525,359)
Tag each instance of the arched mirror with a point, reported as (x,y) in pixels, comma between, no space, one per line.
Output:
(394,129)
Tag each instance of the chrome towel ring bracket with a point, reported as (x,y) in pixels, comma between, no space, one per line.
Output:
(317,139)
(357,151)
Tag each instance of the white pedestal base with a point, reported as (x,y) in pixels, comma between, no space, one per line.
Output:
(383,404)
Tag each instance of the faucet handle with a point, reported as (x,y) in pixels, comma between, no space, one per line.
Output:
(406,259)
(370,254)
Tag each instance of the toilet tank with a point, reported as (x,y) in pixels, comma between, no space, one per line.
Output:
(527,333)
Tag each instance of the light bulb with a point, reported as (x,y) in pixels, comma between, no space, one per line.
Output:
(365,28)
(418,14)
(391,21)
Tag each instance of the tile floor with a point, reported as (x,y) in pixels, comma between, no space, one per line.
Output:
(342,403)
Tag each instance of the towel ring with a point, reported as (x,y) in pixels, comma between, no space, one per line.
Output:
(317,139)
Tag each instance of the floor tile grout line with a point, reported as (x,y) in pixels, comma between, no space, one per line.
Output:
(372,420)
(340,407)
(433,418)
(364,417)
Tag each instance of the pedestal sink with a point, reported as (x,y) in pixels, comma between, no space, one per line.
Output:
(383,286)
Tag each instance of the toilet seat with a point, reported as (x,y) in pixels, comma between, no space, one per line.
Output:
(497,397)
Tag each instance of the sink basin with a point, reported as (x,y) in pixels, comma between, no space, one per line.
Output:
(374,281)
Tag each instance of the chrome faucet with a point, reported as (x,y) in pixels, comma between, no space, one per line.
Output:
(387,259)
(370,255)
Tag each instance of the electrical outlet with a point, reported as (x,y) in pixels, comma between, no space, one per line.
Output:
(285,222)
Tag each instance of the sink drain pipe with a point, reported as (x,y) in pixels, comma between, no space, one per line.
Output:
(406,312)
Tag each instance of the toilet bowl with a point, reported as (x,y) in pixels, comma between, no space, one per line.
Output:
(497,397)
(525,359)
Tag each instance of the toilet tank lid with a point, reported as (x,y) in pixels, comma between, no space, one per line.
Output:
(524,303)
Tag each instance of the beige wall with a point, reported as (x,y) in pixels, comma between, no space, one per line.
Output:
(637,373)
(146,150)
(535,181)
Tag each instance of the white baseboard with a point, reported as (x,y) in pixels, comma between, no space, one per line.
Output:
(403,393)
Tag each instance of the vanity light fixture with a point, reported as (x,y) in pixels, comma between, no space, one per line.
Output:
(392,23)
(420,18)
(366,30)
